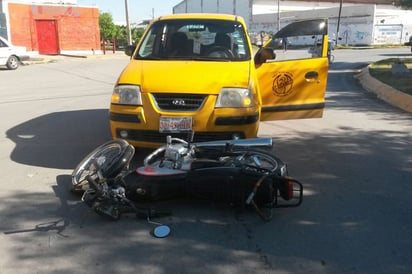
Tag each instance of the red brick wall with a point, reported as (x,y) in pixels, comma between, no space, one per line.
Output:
(77,27)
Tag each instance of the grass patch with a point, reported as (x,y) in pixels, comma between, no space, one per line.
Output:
(382,71)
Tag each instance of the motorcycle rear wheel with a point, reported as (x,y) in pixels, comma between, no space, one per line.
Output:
(260,161)
(108,159)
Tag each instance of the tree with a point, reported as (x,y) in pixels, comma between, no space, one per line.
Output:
(405,4)
(110,31)
(107,27)
(137,34)
(121,35)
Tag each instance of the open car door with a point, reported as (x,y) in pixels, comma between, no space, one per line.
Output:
(293,85)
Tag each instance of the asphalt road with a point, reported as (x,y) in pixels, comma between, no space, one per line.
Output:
(355,163)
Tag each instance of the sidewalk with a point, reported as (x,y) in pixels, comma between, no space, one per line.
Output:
(42,59)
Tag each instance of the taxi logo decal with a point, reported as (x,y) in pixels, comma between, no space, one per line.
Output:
(282,84)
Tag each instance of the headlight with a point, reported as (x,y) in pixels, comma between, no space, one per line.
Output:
(127,95)
(234,98)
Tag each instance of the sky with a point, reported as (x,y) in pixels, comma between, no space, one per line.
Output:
(138,9)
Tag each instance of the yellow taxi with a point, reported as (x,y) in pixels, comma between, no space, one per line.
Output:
(196,75)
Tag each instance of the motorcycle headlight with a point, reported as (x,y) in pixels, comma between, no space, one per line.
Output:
(127,95)
(234,98)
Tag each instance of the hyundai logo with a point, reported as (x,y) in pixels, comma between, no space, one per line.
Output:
(178,102)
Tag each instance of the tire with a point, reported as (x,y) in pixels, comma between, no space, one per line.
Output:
(13,62)
(259,166)
(111,158)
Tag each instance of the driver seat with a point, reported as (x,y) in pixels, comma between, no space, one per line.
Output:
(179,45)
(223,40)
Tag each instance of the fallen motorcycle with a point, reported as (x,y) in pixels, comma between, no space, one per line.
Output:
(238,172)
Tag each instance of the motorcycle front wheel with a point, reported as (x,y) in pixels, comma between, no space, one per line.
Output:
(108,159)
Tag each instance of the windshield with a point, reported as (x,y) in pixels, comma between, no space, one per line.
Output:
(199,39)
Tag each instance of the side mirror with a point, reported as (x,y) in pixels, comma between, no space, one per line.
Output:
(264,54)
(129,50)
(161,231)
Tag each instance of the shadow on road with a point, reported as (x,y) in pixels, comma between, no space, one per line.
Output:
(398,55)
(50,140)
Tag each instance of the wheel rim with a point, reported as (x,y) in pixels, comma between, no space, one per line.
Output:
(259,160)
(101,157)
(13,62)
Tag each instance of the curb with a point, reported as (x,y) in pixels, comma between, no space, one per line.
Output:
(44,59)
(34,61)
(383,91)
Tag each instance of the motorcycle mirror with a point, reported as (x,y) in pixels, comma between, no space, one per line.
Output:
(161,231)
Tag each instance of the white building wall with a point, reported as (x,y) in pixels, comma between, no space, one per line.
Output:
(394,25)
(211,6)
(359,24)
(195,6)
(237,7)
(286,6)
(180,8)
(226,7)
(356,23)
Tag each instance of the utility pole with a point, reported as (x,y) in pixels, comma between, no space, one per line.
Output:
(278,15)
(129,33)
(337,28)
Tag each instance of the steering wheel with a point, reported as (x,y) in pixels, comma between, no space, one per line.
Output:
(220,52)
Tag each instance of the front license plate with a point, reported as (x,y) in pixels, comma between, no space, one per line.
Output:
(175,124)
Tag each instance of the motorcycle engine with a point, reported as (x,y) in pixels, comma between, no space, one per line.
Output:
(175,153)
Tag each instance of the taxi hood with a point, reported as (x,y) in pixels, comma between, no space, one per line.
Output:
(186,76)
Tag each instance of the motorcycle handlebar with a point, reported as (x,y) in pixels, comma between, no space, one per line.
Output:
(170,139)
(92,183)
(154,155)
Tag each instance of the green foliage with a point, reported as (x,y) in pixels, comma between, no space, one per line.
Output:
(405,4)
(110,31)
(121,35)
(107,27)
(137,34)
(382,70)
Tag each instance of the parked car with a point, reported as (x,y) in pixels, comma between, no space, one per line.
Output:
(11,56)
(196,74)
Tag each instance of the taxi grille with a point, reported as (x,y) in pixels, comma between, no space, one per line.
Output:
(178,102)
